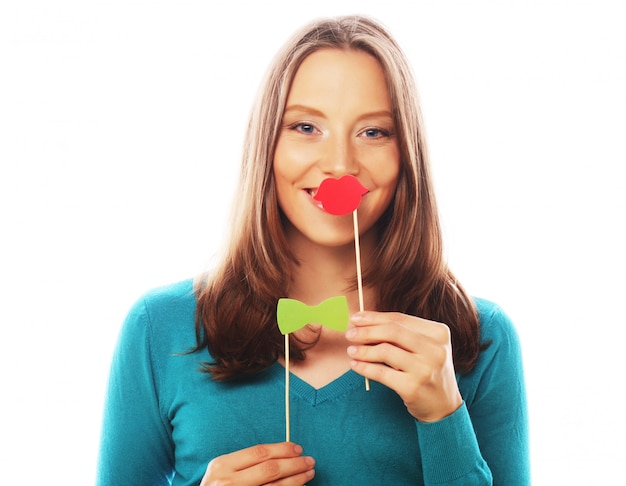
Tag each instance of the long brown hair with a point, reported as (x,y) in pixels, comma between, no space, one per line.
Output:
(236,312)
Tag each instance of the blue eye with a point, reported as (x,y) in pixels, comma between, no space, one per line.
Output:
(375,133)
(303,128)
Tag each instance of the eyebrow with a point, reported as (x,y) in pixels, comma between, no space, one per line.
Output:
(315,112)
(304,108)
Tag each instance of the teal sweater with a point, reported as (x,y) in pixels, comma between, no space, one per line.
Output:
(164,420)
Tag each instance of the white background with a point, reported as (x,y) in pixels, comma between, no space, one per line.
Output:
(120,132)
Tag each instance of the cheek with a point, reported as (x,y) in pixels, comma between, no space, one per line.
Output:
(279,164)
(281,186)
(382,164)
(389,178)
(286,177)
(284,171)
(385,179)
(386,176)
(291,159)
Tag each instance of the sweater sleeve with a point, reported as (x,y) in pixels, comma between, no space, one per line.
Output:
(486,440)
(498,405)
(136,445)
(450,452)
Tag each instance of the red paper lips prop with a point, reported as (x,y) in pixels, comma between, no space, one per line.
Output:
(340,196)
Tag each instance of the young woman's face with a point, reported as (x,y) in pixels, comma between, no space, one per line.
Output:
(338,120)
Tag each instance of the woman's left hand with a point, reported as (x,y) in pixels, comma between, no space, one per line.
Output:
(410,355)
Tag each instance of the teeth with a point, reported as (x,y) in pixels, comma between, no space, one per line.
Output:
(312,192)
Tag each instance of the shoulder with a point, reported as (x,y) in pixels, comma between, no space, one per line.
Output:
(499,368)
(165,313)
(169,300)
(496,327)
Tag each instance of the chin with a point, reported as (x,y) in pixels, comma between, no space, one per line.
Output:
(336,242)
(329,236)
(332,239)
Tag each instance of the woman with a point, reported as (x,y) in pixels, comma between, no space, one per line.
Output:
(447,399)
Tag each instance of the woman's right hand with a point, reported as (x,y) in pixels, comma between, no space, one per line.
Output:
(264,464)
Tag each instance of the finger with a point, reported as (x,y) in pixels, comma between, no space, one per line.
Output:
(251,456)
(277,471)
(385,353)
(392,366)
(417,324)
(391,332)
(404,331)
(295,480)
(406,378)
(386,375)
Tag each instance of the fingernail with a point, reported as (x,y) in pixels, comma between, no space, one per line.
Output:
(351,350)
(309,461)
(350,333)
(297,449)
(356,318)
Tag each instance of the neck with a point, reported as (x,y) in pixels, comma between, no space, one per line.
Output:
(326,271)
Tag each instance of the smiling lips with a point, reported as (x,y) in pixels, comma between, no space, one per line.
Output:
(340,196)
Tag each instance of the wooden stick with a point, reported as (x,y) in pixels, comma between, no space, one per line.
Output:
(359,277)
(287,412)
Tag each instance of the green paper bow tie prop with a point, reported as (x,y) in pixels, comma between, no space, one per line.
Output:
(292,314)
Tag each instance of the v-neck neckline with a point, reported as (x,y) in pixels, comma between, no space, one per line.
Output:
(314,396)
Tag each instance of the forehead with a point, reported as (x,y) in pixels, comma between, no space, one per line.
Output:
(334,75)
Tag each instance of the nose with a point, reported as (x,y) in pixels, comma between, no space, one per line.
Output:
(339,158)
